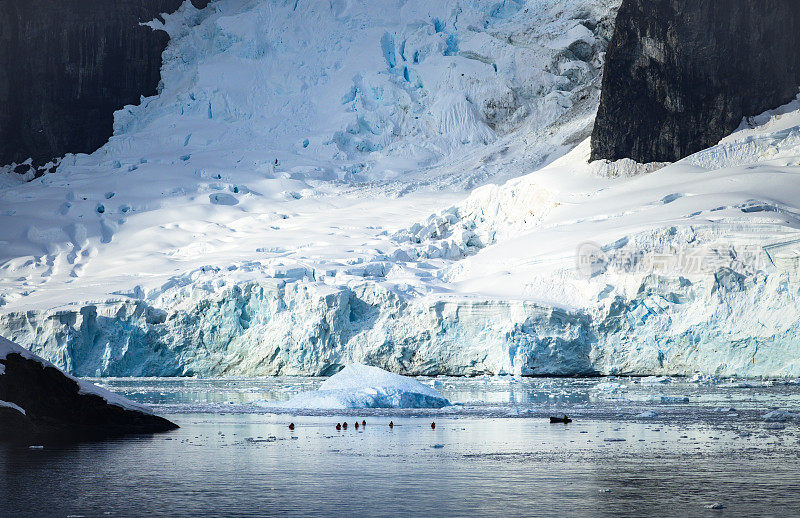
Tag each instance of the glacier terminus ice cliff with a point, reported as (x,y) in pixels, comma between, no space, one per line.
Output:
(408,185)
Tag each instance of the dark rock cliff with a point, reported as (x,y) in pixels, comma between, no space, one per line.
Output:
(67,65)
(50,405)
(681,74)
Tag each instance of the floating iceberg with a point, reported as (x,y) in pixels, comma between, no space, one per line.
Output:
(361,386)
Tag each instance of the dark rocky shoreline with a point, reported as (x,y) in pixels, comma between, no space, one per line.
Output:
(58,407)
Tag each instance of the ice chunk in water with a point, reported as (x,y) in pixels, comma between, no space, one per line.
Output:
(668,399)
(361,386)
(609,386)
(780,416)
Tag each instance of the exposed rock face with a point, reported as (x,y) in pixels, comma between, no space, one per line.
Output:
(67,65)
(681,74)
(37,399)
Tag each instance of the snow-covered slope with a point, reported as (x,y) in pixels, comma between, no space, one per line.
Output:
(685,267)
(183,247)
(289,142)
(280,124)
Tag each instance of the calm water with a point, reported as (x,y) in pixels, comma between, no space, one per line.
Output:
(493,454)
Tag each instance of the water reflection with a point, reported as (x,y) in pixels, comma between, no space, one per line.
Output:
(488,396)
(238,465)
(637,446)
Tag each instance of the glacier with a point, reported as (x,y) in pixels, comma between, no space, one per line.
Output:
(668,327)
(405,185)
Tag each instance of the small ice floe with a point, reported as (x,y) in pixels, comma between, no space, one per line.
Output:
(705,379)
(609,386)
(774,426)
(361,386)
(747,384)
(648,380)
(715,506)
(36,447)
(271,438)
(780,416)
(668,399)
(724,409)
(647,414)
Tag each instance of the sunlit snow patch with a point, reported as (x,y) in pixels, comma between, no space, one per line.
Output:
(361,386)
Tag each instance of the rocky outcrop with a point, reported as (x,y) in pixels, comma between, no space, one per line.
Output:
(67,65)
(682,74)
(37,400)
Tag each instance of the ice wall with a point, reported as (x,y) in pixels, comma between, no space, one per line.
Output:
(725,323)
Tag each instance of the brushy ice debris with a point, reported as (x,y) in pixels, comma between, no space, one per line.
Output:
(609,386)
(780,416)
(704,379)
(655,379)
(674,399)
(668,399)
(362,386)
